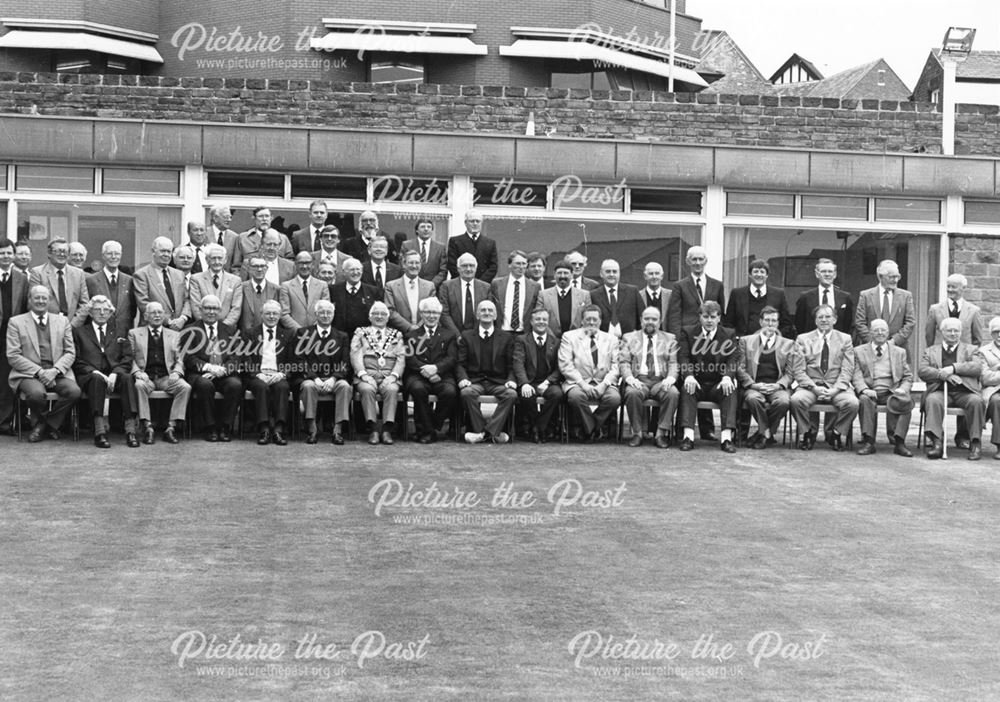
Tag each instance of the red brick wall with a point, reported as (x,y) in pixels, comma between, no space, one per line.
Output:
(139,15)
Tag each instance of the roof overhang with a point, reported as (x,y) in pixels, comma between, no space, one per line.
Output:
(77,40)
(363,35)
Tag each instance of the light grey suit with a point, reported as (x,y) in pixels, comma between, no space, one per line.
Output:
(968,314)
(24,357)
(812,379)
(401,317)
(148,283)
(178,388)
(229,292)
(77,295)
(296,310)
(902,318)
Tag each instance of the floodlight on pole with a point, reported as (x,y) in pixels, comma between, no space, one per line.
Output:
(956,47)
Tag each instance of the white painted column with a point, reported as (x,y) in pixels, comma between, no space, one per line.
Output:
(461,202)
(193,191)
(954,216)
(713,234)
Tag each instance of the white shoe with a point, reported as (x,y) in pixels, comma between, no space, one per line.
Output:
(472,437)
(501,438)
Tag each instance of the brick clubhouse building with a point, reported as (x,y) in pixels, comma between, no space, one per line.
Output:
(556,121)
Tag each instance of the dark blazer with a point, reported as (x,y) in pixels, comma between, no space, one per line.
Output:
(392,271)
(843,303)
(194,341)
(526,358)
(315,359)
(629,307)
(451,293)
(284,349)
(440,350)
(302,239)
(483,248)
(250,308)
(683,308)
(352,312)
(739,318)
(708,362)
(115,358)
(436,268)
(644,302)
(355,247)
(529,290)
(18,296)
(125,307)
(470,347)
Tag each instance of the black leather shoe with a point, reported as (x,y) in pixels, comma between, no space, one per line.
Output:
(901,450)
(338,438)
(727,446)
(170,436)
(312,438)
(709,436)
(373,439)
(537,436)
(224,436)
(212,436)
(636,440)
(425,438)
(687,444)
(264,438)
(278,437)
(387,438)
(936,450)
(975,451)
(101,441)
(759,442)
(808,441)
(37,434)
(835,441)
(51,433)
(661,441)
(131,440)
(963,442)
(148,436)
(866,449)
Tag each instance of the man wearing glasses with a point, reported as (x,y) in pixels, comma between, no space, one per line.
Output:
(368,229)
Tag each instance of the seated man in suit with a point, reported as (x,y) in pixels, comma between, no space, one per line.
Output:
(158,364)
(654,294)
(215,281)
(745,304)
(990,354)
(563,302)
(378,357)
(324,353)
(13,301)
(708,358)
(404,295)
(536,369)
(589,363)
(826,375)
(298,296)
(461,296)
(104,365)
(41,352)
(649,370)
(882,377)
(433,256)
(768,364)
(266,374)
(825,293)
(956,368)
(486,366)
(431,357)
(209,360)
(352,299)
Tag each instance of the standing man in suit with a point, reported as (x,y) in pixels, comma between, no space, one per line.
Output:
(826,375)
(460,296)
(158,282)
(252,240)
(197,241)
(536,370)
(563,302)
(22,257)
(882,377)
(653,294)
(220,233)
(328,252)
(589,363)
(352,299)
(990,354)
(377,270)
(824,294)
(115,285)
(158,364)
(578,264)
(324,353)
(486,366)
(378,358)
(536,268)
(889,302)
(433,256)
(515,296)
(279,269)
(473,241)
(215,281)
(368,228)
(67,284)
(183,260)
(961,309)
(960,366)
(431,358)
(104,365)
(208,359)
(767,366)
(403,295)
(310,238)
(41,352)
(78,255)
(299,295)
(708,358)
(745,304)
(13,301)
(267,375)
(649,370)
(618,302)
(255,292)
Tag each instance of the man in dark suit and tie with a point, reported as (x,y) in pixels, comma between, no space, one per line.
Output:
(654,294)
(309,239)
(266,375)
(473,241)
(460,296)
(13,301)
(536,370)
(377,269)
(433,256)
(115,285)
(618,302)
(746,303)
(104,365)
(486,366)
(431,358)
(514,295)
(67,284)
(824,294)
(352,299)
(255,292)
(324,355)
(563,302)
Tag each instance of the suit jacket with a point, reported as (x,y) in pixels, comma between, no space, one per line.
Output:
(115,357)
(969,365)
(392,271)
(172,356)
(577,364)
(843,303)
(296,310)
(248,243)
(529,293)
(526,358)
(483,248)
(548,299)
(302,240)
(864,368)
(708,362)
(76,290)
(230,293)
(901,321)
(398,302)
(22,347)
(840,368)
(18,296)
(194,346)
(739,317)
(352,312)
(321,359)
(629,307)
(148,282)
(283,351)
(251,304)
(586,284)
(340,257)
(664,305)
(364,354)
(632,357)
(440,350)
(968,314)
(355,247)
(470,350)
(436,267)
(990,377)
(786,357)
(286,270)
(682,310)
(125,308)
(451,294)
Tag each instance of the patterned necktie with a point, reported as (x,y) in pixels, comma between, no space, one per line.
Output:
(41,323)
(515,312)
(886,306)
(196,268)
(826,296)
(697,285)
(113,284)
(62,293)
(757,293)
(378,277)
(613,301)
(593,350)
(220,239)
(824,357)
(423,253)
(170,292)
(215,281)
(317,242)
(154,334)
(260,289)
(305,290)
(650,363)
(878,351)
(270,333)
(954,308)
(100,336)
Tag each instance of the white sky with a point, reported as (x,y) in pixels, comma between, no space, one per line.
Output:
(839,35)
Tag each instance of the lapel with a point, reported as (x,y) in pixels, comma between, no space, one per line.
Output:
(897,305)
(33,334)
